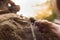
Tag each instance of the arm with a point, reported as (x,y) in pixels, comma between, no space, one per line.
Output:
(50,26)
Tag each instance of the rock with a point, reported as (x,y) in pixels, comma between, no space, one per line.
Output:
(13,27)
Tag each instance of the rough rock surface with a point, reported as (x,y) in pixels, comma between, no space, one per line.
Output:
(13,27)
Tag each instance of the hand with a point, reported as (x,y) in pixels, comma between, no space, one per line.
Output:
(44,25)
(16,8)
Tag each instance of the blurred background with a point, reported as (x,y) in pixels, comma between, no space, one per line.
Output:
(39,9)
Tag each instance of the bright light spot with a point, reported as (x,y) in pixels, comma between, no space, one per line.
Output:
(27,6)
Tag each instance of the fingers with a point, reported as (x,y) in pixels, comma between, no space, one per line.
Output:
(43,25)
(43,22)
(46,25)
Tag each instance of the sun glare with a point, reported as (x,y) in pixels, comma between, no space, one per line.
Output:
(31,8)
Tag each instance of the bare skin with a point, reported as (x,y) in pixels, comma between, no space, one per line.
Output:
(5,7)
(50,26)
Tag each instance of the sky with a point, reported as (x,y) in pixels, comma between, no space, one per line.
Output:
(27,7)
